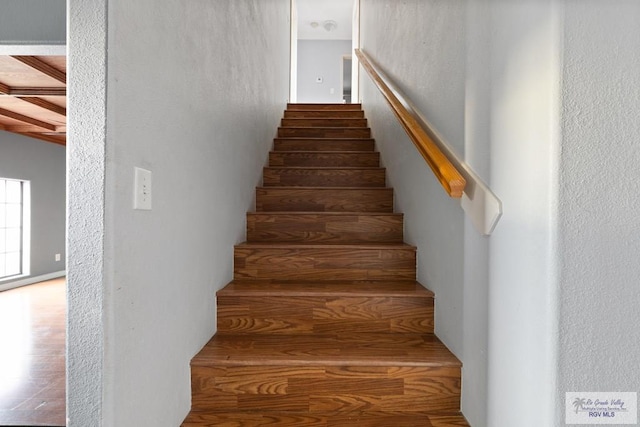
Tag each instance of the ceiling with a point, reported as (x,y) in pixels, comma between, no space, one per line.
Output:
(33,90)
(33,99)
(310,11)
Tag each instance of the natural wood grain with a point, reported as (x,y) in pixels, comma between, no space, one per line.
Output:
(323,144)
(324,324)
(324,122)
(324,199)
(362,349)
(284,314)
(42,103)
(43,67)
(44,126)
(454,420)
(32,339)
(283,419)
(37,91)
(24,83)
(15,73)
(325,373)
(324,159)
(324,262)
(351,114)
(330,227)
(452,181)
(323,132)
(323,177)
(323,288)
(317,107)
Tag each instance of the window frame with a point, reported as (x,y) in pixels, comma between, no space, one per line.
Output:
(24,227)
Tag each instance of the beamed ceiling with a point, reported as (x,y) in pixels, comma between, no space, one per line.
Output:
(33,97)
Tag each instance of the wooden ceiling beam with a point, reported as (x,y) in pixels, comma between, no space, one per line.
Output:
(44,104)
(43,67)
(26,119)
(34,91)
(61,130)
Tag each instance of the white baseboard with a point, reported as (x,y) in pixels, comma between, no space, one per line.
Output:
(31,280)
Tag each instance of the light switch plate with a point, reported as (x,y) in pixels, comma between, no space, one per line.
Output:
(142,189)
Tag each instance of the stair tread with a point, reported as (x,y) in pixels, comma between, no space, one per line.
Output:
(324,188)
(326,167)
(326,127)
(315,245)
(338,106)
(311,138)
(406,288)
(319,119)
(320,419)
(336,153)
(326,213)
(362,349)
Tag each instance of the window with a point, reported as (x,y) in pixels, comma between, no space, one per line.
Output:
(13,208)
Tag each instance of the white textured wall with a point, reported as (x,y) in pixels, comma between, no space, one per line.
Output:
(321,58)
(600,199)
(87,294)
(195,98)
(490,88)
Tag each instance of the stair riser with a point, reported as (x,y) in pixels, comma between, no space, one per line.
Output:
(318,107)
(324,228)
(274,199)
(323,132)
(324,263)
(322,315)
(324,122)
(324,159)
(344,114)
(310,144)
(326,389)
(324,177)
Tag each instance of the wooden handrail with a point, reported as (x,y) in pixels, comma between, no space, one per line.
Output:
(450,178)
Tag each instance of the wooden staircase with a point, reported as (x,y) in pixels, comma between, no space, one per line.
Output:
(324,323)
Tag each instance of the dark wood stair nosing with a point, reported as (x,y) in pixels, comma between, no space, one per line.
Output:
(363,246)
(325,288)
(325,188)
(320,151)
(344,213)
(433,352)
(328,128)
(322,106)
(316,138)
(327,168)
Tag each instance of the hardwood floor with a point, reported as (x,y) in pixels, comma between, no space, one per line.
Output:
(32,359)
